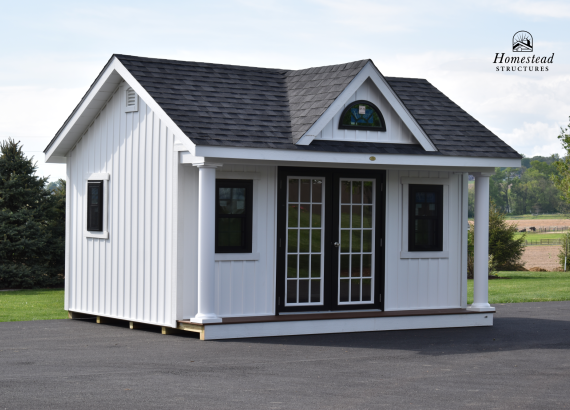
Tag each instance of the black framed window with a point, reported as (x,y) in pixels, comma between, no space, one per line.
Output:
(362,115)
(95,206)
(425,224)
(233,216)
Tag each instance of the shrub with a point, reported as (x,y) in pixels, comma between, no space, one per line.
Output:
(504,250)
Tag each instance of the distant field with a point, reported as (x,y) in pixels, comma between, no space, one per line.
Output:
(37,304)
(538,236)
(539,217)
(539,223)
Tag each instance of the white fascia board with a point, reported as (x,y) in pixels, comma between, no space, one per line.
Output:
(283,155)
(369,71)
(92,104)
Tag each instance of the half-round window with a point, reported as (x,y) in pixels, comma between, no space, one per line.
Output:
(362,115)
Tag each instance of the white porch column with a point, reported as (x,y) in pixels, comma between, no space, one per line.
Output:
(481,257)
(206,243)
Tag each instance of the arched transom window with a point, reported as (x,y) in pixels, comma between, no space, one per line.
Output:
(362,115)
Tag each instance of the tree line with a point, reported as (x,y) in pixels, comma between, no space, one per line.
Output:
(530,189)
(32,223)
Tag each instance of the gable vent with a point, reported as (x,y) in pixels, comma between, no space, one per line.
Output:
(131,100)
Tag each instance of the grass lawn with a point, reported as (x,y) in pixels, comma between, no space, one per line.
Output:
(44,304)
(539,236)
(37,304)
(542,216)
(526,287)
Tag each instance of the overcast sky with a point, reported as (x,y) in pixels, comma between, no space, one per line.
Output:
(52,51)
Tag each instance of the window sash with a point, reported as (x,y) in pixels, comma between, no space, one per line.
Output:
(95,211)
(436,220)
(245,217)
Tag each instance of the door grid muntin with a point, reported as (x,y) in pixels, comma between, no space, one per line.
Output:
(357,226)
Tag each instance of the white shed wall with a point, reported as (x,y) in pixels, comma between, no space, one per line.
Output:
(245,285)
(427,283)
(396,130)
(130,275)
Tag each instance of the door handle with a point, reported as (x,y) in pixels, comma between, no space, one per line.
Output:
(336,244)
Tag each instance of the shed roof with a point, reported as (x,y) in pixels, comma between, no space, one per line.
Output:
(236,106)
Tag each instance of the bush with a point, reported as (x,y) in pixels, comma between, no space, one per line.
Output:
(504,250)
(564,254)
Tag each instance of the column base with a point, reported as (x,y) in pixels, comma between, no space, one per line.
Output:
(481,307)
(206,319)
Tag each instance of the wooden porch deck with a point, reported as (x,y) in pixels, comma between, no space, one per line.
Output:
(333,322)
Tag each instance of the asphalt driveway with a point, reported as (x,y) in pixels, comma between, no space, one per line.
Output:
(521,362)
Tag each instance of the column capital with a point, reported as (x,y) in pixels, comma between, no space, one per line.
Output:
(206,165)
(482,174)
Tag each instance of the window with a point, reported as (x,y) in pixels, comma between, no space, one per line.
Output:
(233,216)
(425,225)
(362,115)
(95,206)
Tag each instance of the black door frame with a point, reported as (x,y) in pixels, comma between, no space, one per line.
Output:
(330,235)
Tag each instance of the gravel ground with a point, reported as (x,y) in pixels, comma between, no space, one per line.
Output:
(522,362)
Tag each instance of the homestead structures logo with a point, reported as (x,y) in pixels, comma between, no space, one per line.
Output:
(522,43)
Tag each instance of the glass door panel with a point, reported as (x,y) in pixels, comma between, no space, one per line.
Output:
(305,248)
(357,234)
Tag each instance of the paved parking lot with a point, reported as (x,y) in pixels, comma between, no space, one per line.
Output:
(521,362)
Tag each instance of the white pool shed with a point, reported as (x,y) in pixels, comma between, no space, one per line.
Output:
(245,202)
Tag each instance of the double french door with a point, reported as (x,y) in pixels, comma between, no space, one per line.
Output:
(330,234)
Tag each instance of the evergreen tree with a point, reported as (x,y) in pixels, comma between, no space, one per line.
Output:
(31,224)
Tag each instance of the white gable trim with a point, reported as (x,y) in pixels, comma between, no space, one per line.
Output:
(369,71)
(99,94)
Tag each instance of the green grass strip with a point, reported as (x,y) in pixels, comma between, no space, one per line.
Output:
(36,304)
(518,287)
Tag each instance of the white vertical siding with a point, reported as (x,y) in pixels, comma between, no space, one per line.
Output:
(431,282)
(396,130)
(243,287)
(128,275)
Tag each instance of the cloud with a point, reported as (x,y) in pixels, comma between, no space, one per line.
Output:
(533,139)
(550,9)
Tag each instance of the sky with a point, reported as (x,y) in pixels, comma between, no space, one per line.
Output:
(53,51)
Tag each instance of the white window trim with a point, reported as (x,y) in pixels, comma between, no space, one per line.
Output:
(105,233)
(406,181)
(254,255)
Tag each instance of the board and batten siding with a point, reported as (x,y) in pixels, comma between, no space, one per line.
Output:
(428,283)
(130,275)
(245,285)
(396,131)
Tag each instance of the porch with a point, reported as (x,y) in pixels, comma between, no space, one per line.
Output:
(336,322)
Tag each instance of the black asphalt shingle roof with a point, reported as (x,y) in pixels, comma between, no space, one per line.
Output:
(224,105)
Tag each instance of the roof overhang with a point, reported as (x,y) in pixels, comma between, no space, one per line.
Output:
(100,92)
(369,71)
(316,157)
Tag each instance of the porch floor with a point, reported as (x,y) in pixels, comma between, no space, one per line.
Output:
(290,317)
(336,322)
